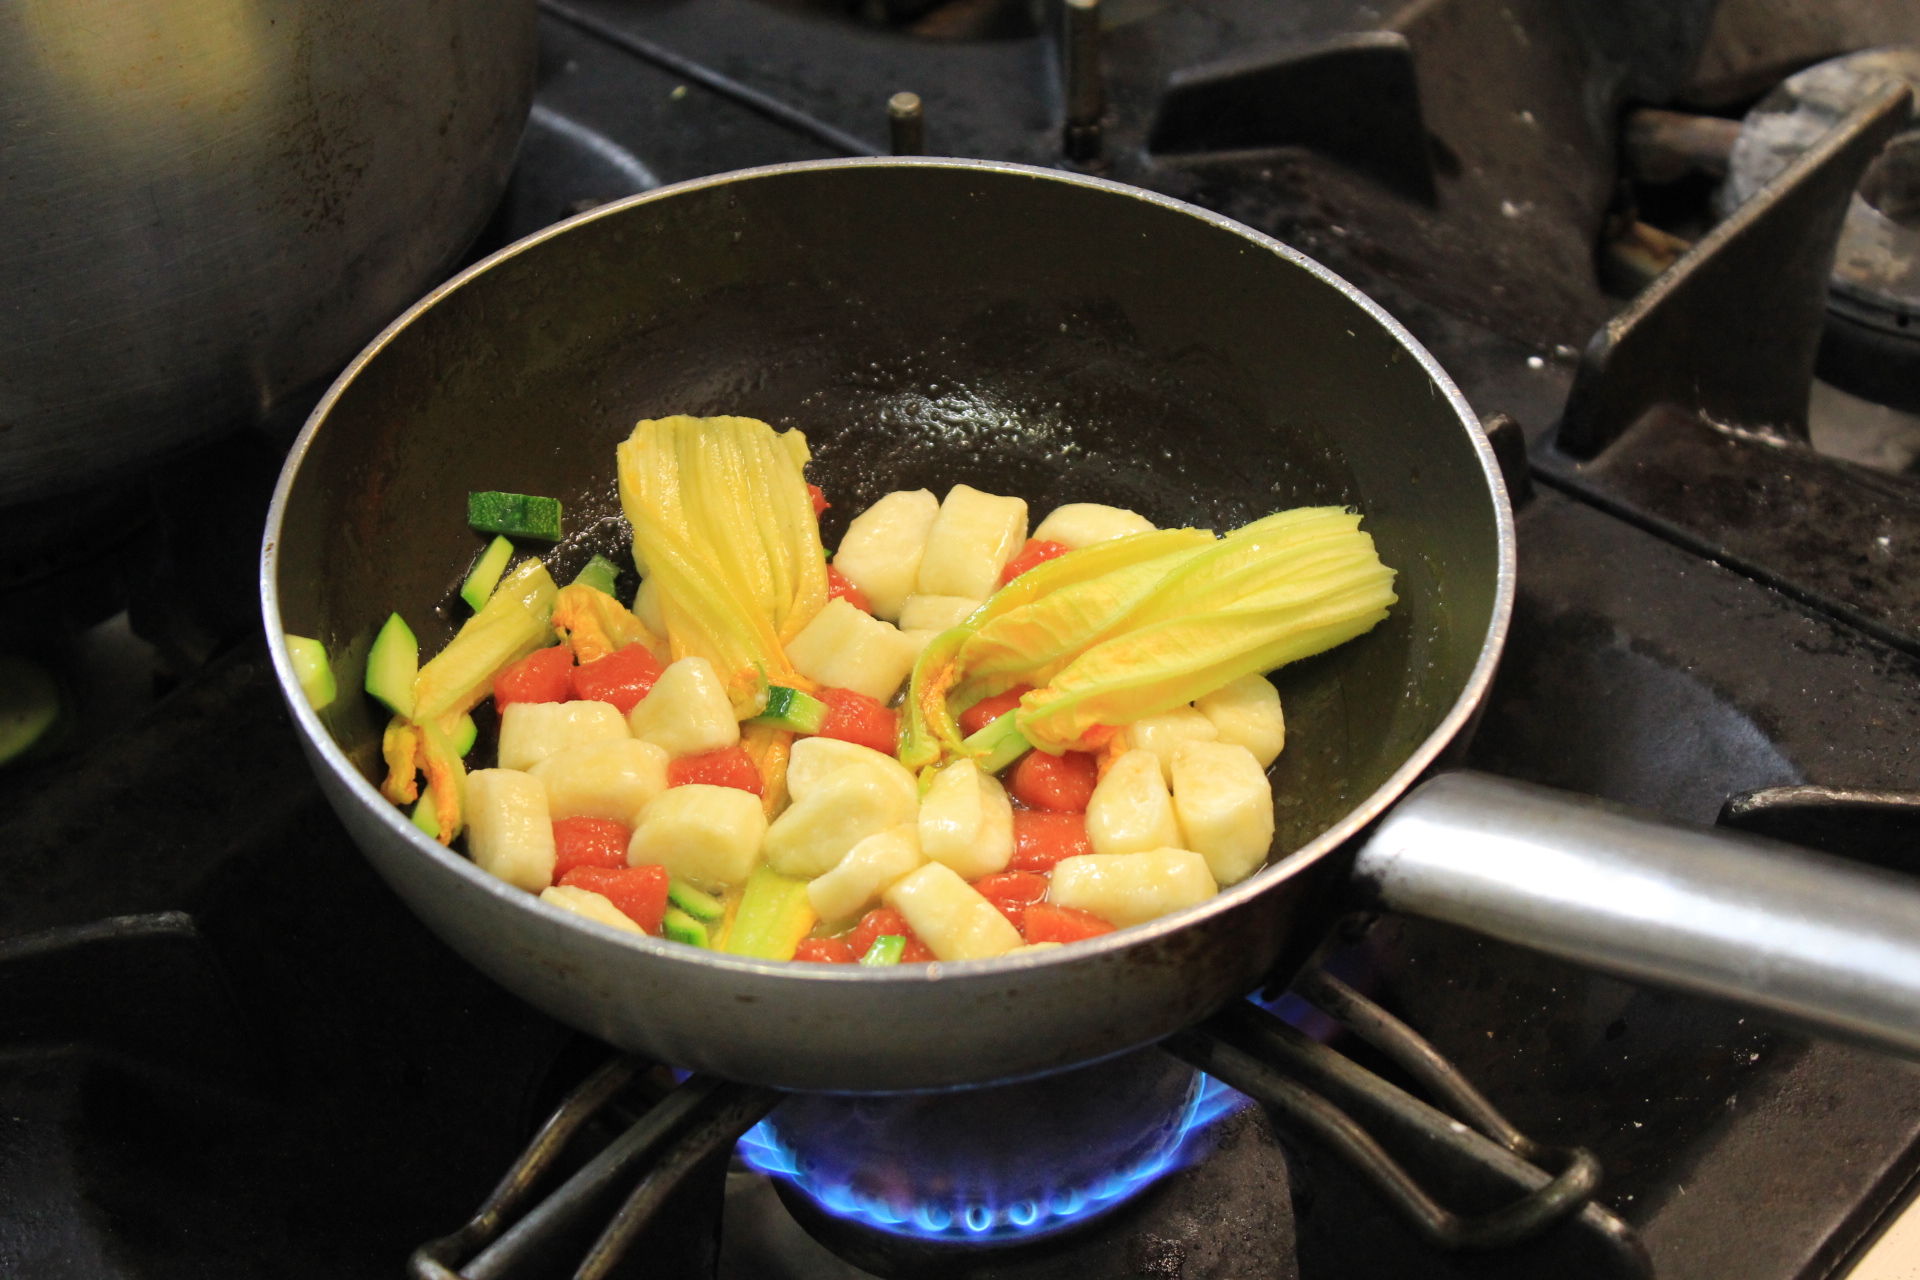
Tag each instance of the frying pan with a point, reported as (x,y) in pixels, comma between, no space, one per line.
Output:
(934,322)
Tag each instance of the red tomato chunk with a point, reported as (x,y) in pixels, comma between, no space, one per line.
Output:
(731,767)
(588,842)
(879,923)
(987,710)
(820,502)
(621,678)
(838,588)
(1031,556)
(854,717)
(639,892)
(1011,891)
(1012,886)
(542,676)
(1041,839)
(825,951)
(1063,783)
(1048,923)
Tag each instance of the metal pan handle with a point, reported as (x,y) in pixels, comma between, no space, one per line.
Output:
(1817,941)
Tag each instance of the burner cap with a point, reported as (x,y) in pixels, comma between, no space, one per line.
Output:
(1871,343)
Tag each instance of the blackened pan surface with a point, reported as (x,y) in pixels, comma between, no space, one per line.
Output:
(926,323)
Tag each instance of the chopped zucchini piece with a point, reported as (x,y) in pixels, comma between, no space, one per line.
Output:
(465,734)
(775,914)
(392,664)
(998,745)
(701,906)
(792,710)
(30,706)
(311,669)
(485,575)
(424,815)
(886,949)
(521,515)
(600,574)
(678,926)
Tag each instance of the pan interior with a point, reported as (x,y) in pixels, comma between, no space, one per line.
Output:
(925,325)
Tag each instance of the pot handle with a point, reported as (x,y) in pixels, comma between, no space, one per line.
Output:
(1827,944)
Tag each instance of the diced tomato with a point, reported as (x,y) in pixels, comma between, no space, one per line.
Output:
(987,710)
(880,922)
(1035,553)
(1011,891)
(622,678)
(1012,886)
(820,502)
(1041,838)
(728,767)
(854,717)
(639,892)
(1063,783)
(825,951)
(545,675)
(838,588)
(1048,923)
(588,842)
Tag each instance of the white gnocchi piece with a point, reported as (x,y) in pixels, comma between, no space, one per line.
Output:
(867,871)
(709,835)
(935,613)
(613,779)
(881,552)
(1163,733)
(1225,806)
(966,821)
(812,759)
(594,906)
(509,834)
(950,916)
(1034,946)
(532,731)
(687,712)
(1246,712)
(1131,888)
(844,648)
(974,537)
(920,639)
(1131,811)
(1081,524)
(836,813)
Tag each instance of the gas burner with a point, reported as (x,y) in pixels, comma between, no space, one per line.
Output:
(999,1166)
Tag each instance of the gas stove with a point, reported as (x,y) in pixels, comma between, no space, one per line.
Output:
(232,1052)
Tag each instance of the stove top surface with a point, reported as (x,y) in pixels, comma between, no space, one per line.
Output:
(230,1051)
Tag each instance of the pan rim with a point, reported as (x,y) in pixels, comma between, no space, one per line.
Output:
(321,744)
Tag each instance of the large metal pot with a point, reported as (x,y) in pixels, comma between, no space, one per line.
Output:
(209,204)
(1024,331)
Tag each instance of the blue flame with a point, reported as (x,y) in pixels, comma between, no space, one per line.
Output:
(981,1223)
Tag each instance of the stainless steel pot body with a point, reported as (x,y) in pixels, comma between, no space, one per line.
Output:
(927,323)
(210,204)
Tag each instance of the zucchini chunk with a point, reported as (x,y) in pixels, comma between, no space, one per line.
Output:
(792,710)
(311,669)
(600,573)
(392,664)
(519,515)
(485,574)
